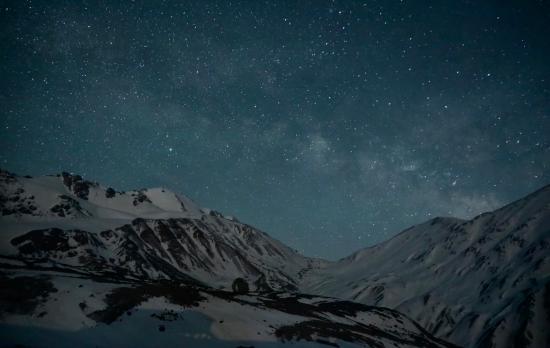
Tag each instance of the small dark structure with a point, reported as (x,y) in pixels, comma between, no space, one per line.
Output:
(240,286)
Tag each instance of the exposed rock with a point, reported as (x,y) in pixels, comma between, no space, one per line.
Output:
(240,286)
(121,300)
(22,295)
(140,198)
(110,192)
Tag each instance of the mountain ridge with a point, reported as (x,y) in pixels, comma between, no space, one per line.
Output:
(466,281)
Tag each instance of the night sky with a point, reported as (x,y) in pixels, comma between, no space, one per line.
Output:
(331,125)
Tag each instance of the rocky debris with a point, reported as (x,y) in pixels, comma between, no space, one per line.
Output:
(140,197)
(20,207)
(80,187)
(13,198)
(68,207)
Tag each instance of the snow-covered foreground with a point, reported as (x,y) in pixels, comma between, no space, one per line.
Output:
(56,309)
(94,262)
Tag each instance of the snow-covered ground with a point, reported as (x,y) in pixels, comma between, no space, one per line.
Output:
(55,309)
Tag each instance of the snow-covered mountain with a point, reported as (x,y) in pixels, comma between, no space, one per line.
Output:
(75,255)
(84,265)
(484,282)
(145,234)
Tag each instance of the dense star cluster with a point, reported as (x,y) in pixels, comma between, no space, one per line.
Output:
(331,125)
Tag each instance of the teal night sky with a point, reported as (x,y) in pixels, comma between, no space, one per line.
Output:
(331,125)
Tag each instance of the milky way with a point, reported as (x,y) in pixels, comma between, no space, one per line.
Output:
(330,125)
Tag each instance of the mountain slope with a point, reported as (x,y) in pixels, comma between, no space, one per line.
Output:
(145,234)
(477,283)
(483,282)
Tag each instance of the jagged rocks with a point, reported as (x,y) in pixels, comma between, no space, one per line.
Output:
(80,187)
(67,179)
(262,285)
(68,207)
(16,201)
(140,197)
(110,192)
(54,243)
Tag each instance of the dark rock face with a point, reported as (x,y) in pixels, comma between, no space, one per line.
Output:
(110,192)
(81,188)
(149,249)
(49,243)
(13,198)
(240,286)
(67,179)
(21,295)
(121,300)
(216,214)
(68,207)
(262,285)
(140,197)
(19,206)
(319,329)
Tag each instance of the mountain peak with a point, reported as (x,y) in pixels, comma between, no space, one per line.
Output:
(463,280)
(161,234)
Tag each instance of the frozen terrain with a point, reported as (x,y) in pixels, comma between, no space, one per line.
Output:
(483,282)
(57,309)
(85,264)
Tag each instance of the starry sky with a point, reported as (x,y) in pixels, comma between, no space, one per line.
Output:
(331,125)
